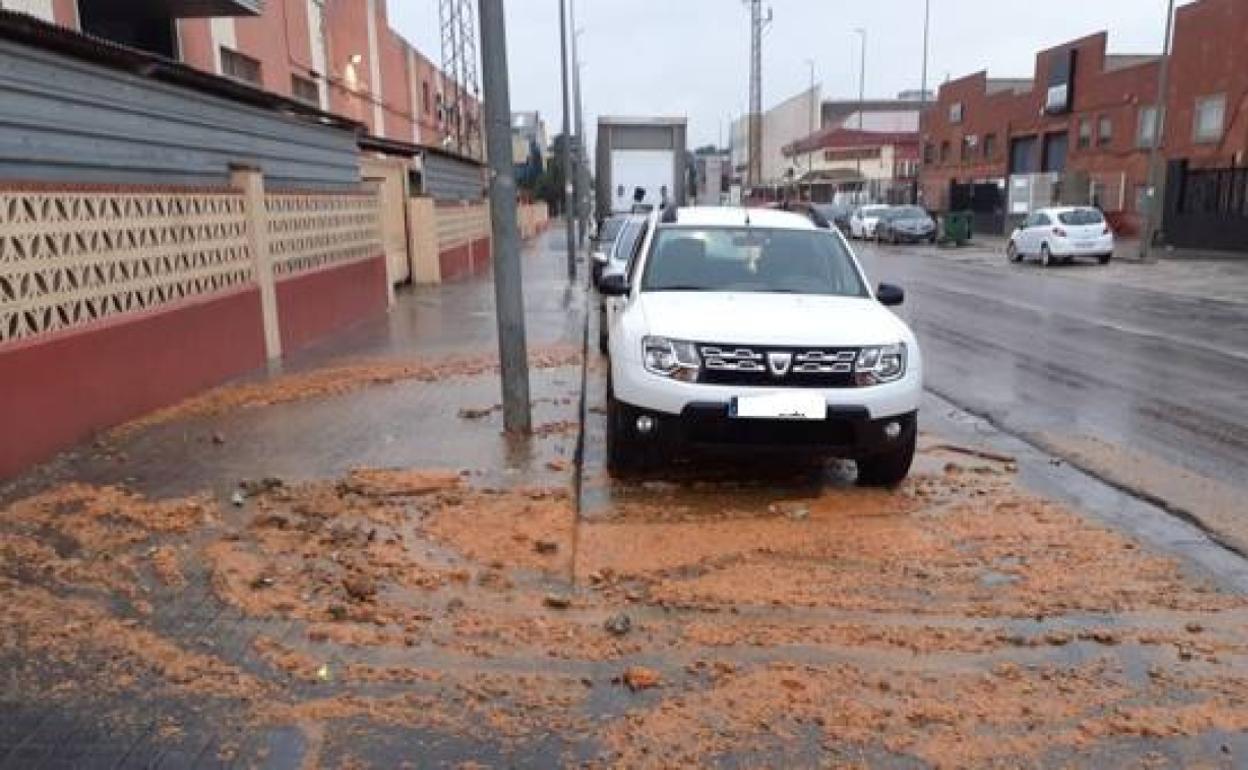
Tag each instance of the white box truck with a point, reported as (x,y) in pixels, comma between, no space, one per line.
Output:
(640,164)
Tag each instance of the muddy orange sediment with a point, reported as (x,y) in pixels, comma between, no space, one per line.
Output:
(336,381)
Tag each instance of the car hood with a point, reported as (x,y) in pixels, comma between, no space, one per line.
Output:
(752,318)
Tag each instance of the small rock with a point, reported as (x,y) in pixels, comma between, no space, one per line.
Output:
(557,601)
(360,587)
(238,499)
(1194,628)
(218,439)
(1057,639)
(545,546)
(337,612)
(618,625)
(322,673)
(475,414)
(262,581)
(641,678)
(455,605)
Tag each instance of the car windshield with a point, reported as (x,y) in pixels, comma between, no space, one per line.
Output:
(1081,217)
(611,228)
(873,211)
(751,259)
(908,212)
(627,241)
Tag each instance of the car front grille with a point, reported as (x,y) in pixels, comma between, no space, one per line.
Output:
(777,366)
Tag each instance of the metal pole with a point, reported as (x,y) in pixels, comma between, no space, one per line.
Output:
(1151,224)
(927,22)
(568,206)
(862,99)
(579,179)
(508,292)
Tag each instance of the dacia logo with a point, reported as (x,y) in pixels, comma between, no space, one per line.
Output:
(779,363)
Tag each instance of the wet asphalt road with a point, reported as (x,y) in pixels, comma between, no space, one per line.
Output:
(1047,352)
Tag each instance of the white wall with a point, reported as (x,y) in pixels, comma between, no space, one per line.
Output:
(41,8)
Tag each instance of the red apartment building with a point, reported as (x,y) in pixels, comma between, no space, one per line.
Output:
(1079,129)
(339,55)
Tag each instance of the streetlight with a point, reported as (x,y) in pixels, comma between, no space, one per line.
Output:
(927,25)
(862,103)
(1154,154)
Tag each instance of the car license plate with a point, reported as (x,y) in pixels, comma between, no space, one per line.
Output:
(779,406)
(1085,244)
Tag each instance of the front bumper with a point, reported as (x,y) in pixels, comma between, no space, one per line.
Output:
(915,236)
(847,432)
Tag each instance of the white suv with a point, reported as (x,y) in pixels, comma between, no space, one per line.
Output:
(754,330)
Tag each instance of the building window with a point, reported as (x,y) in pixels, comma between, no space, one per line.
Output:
(1105,131)
(944,152)
(425,104)
(1085,133)
(929,153)
(1210,118)
(968,147)
(305,89)
(236,65)
(1150,122)
(990,146)
(956,112)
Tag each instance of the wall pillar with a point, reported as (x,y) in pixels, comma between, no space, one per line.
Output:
(423,241)
(250,182)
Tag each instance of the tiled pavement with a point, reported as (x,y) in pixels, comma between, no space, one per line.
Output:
(404,424)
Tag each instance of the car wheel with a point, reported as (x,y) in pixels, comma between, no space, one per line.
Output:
(890,468)
(1105,258)
(1012,253)
(603,340)
(1046,256)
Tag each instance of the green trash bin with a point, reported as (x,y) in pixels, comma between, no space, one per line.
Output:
(956,228)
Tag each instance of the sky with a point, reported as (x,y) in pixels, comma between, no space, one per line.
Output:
(691,57)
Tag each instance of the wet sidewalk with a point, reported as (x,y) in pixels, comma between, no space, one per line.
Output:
(349,565)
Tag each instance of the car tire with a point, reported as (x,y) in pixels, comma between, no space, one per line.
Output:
(626,456)
(890,468)
(1012,253)
(603,339)
(1046,256)
(1104,259)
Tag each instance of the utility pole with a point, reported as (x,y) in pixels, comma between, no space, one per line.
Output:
(569,207)
(927,22)
(1152,223)
(579,179)
(754,166)
(508,293)
(862,99)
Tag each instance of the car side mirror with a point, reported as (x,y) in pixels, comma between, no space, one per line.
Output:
(599,257)
(613,285)
(890,295)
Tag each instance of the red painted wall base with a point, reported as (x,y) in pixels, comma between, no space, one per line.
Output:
(311,305)
(59,390)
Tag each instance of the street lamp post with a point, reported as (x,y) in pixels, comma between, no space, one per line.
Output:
(862,101)
(566,149)
(927,26)
(508,292)
(1151,224)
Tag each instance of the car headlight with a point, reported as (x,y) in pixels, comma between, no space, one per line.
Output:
(876,365)
(671,358)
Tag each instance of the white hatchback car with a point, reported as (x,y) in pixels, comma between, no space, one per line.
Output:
(1062,234)
(753,330)
(863,221)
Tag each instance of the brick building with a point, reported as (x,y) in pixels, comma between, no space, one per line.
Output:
(1079,129)
(339,55)
(840,164)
